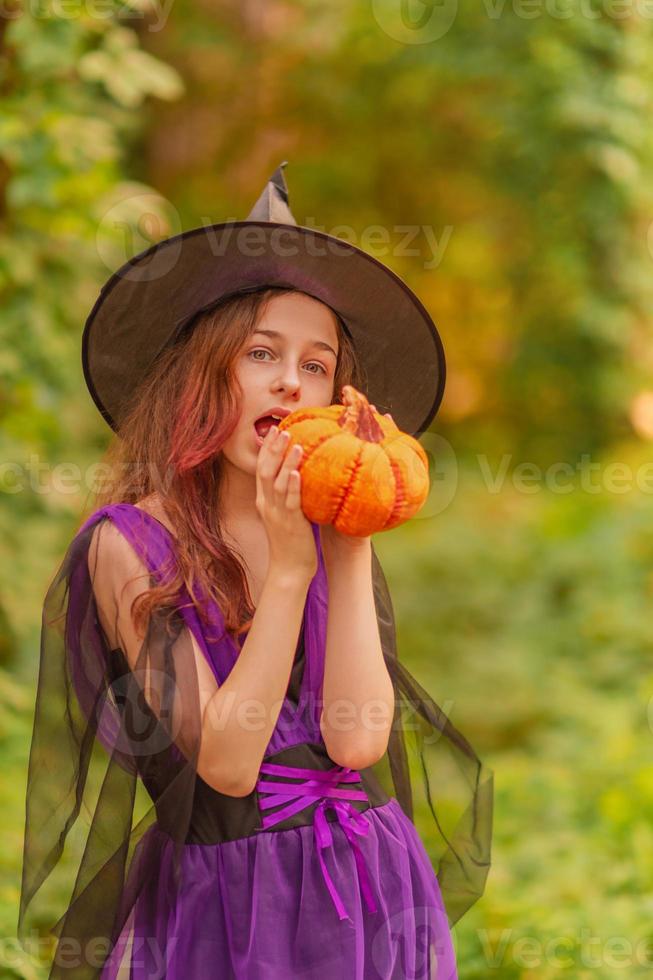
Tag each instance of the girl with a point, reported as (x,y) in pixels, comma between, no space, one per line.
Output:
(219,689)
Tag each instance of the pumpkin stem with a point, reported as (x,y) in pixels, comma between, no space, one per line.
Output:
(358,416)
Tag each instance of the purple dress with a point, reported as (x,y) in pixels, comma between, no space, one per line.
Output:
(317,874)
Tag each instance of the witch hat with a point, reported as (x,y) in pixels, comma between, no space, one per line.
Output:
(145,305)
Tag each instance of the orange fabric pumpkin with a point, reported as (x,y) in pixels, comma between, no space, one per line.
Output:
(359,471)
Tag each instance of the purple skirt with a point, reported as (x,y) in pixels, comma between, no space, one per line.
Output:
(258,908)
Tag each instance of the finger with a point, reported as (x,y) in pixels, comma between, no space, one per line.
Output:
(290,462)
(294,495)
(267,464)
(273,443)
(269,439)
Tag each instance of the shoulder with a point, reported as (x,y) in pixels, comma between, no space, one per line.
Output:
(153,506)
(111,556)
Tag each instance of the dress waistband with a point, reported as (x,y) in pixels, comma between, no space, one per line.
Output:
(320,786)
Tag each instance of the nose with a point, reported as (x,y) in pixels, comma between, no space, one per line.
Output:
(288,381)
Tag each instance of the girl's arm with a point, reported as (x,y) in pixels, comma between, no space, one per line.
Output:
(238,716)
(358,694)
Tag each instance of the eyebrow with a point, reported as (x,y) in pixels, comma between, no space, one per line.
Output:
(316,343)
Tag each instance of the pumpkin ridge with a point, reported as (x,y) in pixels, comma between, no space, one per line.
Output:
(354,470)
(298,416)
(400,492)
(330,435)
(317,445)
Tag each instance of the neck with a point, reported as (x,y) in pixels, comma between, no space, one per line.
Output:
(238,497)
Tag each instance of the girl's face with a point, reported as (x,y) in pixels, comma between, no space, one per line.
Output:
(289,362)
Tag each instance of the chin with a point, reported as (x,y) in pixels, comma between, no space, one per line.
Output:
(248,462)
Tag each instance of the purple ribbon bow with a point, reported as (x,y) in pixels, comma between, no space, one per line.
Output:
(320,785)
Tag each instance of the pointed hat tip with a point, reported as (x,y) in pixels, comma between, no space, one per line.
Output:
(279,180)
(272,205)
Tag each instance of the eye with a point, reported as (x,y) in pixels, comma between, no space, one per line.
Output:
(257,351)
(263,350)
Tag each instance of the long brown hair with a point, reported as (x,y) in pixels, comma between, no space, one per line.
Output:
(169,442)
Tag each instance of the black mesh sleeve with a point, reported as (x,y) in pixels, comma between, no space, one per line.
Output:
(435,775)
(98,726)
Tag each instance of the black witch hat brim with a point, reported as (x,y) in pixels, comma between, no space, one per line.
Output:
(145,305)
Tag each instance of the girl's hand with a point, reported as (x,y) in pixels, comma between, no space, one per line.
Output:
(336,543)
(278,501)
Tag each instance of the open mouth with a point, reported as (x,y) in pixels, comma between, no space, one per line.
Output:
(263,425)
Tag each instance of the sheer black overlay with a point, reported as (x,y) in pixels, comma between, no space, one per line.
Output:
(115,752)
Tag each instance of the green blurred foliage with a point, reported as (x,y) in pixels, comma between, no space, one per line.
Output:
(516,139)
(508,165)
(65,127)
(71,80)
(528,621)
